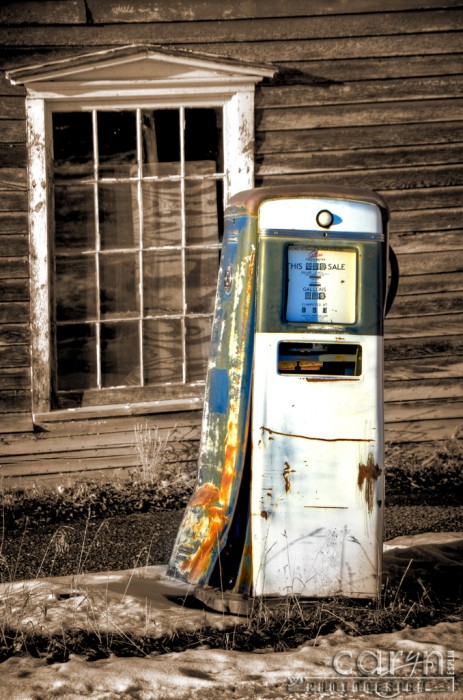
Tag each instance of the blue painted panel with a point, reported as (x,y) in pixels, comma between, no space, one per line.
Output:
(218,395)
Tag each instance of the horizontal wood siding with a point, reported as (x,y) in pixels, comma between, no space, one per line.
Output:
(15,374)
(99,449)
(367,94)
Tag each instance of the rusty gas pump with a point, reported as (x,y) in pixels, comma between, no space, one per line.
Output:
(290,491)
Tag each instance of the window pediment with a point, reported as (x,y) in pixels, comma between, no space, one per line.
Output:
(136,66)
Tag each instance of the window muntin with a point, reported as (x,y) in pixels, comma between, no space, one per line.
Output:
(137,209)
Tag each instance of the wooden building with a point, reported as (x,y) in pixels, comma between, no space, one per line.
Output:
(125,127)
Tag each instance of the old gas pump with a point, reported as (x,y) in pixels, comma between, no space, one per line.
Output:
(297,364)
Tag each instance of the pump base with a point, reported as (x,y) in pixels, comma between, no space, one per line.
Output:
(224,602)
(237,604)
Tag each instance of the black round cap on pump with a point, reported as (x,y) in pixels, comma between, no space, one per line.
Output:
(325,218)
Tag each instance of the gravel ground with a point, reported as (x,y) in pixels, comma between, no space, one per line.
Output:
(412,520)
(123,542)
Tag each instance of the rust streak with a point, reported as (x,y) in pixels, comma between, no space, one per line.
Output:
(319,439)
(367,476)
(286,472)
(215,503)
(206,494)
(324,379)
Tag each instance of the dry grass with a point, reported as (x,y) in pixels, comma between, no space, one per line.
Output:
(154,449)
(279,627)
(289,623)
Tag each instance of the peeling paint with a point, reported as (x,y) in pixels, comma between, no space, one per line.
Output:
(367,476)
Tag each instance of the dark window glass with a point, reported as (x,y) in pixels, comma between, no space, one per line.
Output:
(120,354)
(162,351)
(75,288)
(72,145)
(119,288)
(117,144)
(117,203)
(74,218)
(203,136)
(161,138)
(198,335)
(77,358)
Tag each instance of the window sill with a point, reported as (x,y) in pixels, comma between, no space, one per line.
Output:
(126,409)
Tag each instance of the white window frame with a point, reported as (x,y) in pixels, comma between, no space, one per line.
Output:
(128,77)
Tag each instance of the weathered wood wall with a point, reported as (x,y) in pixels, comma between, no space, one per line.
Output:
(101,448)
(367,94)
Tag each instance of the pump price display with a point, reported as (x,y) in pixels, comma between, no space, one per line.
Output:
(321,285)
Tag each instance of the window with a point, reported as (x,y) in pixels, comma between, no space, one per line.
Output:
(128,186)
(137,212)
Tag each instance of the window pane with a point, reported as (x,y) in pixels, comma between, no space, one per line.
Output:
(75,288)
(117,144)
(201,205)
(198,335)
(162,214)
(76,349)
(162,354)
(72,145)
(74,218)
(162,281)
(220,212)
(120,352)
(119,292)
(118,228)
(161,137)
(203,136)
(201,280)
